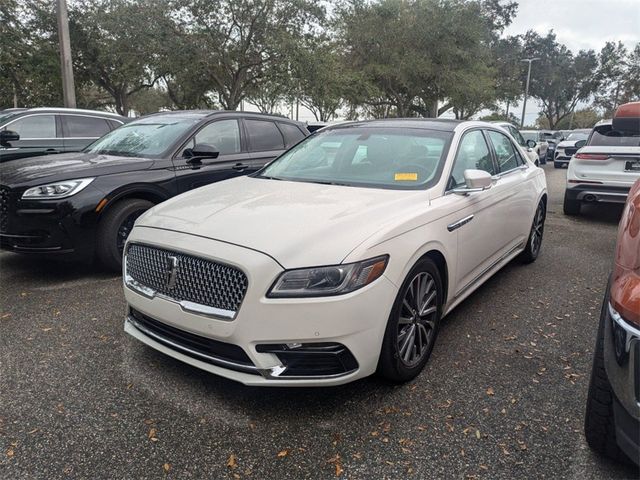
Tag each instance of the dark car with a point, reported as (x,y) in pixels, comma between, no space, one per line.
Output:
(84,204)
(612,420)
(30,132)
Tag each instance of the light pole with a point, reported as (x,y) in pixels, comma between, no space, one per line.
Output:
(526,91)
(68,87)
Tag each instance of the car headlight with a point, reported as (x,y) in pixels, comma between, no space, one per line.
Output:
(57,190)
(328,281)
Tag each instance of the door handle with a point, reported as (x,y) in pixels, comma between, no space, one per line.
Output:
(463,221)
(240,167)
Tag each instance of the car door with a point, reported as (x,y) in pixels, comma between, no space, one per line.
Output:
(516,195)
(40,134)
(476,220)
(225,136)
(79,131)
(265,141)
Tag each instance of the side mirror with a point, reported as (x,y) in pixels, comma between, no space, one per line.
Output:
(199,152)
(475,181)
(7,136)
(531,143)
(581,143)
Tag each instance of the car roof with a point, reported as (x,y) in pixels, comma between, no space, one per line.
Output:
(442,124)
(213,113)
(65,110)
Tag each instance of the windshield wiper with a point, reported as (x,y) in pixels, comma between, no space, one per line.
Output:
(268,177)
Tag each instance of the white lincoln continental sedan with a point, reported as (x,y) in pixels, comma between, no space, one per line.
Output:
(337,260)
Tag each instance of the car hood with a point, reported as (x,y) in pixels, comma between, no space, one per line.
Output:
(298,224)
(66,166)
(567,143)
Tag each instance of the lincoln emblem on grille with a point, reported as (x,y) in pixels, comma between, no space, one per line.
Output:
(171,272)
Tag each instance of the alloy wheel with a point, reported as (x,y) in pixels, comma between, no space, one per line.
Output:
(417,319)
(537,230)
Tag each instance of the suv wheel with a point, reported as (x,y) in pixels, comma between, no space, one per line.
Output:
(599,422)
(570,207)
(114,229)
(413,324)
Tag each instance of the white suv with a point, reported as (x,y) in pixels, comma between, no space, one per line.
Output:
(607,164)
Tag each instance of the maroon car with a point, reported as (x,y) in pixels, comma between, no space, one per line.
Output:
(612,422)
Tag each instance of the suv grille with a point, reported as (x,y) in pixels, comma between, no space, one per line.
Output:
(185,278)
(4,208)
(569,151)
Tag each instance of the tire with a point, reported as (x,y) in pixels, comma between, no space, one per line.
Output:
(571,207)
(534,241)
(393,364)
(599,421)
(108,246)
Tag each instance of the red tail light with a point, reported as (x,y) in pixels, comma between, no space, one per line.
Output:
(592,156)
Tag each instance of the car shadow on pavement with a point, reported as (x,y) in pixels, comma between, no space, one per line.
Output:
(598,213)
(35,271)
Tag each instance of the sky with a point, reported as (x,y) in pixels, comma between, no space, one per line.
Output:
(579,24)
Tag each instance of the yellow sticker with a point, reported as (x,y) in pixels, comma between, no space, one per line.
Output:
(412,177)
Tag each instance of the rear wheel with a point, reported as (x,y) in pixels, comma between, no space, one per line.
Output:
(413,324)
(570,207)
(534,242)
(114,229)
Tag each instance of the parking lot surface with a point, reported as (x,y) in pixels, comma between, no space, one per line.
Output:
(502,396)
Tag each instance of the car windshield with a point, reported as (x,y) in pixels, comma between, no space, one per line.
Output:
(148,137)
(397,158)
(577,136)
(605,135)
(6,116)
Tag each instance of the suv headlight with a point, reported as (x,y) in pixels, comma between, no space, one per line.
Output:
(328,281)
(57,190)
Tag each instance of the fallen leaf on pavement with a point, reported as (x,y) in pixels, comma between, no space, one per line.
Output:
(232,462)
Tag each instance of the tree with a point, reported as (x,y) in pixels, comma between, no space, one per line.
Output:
(619,75)
(29,69)
(501,116)
(112,50)
(583,118)
(559,80)
(239,40)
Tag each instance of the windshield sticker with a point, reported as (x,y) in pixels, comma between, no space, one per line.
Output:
(404,177)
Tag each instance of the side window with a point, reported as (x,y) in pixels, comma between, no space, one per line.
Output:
(473,153)
(505,152)
(292,134)
(81,126)
(264,135)
(224,135)
(35,126)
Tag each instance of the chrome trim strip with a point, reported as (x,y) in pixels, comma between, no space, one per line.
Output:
(463,221)
(190,307)
(487,270)
(630,331)
(215,360)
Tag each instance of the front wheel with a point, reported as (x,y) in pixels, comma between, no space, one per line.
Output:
(534,242)
(413,324)
(114,229)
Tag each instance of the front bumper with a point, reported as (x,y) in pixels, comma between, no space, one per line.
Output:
(622,364)
(337,328)
(595,193)
(47,227)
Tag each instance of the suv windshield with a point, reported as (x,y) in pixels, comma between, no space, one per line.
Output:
(6,116)
(365,156)
(149,137)
(605,135)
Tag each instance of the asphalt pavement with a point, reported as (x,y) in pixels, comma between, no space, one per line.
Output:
(502,396)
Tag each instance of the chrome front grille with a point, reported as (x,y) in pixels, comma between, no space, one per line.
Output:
(4,208)
(198,285)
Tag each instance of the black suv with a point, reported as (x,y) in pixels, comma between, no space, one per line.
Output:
(30,132)
(85,204)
